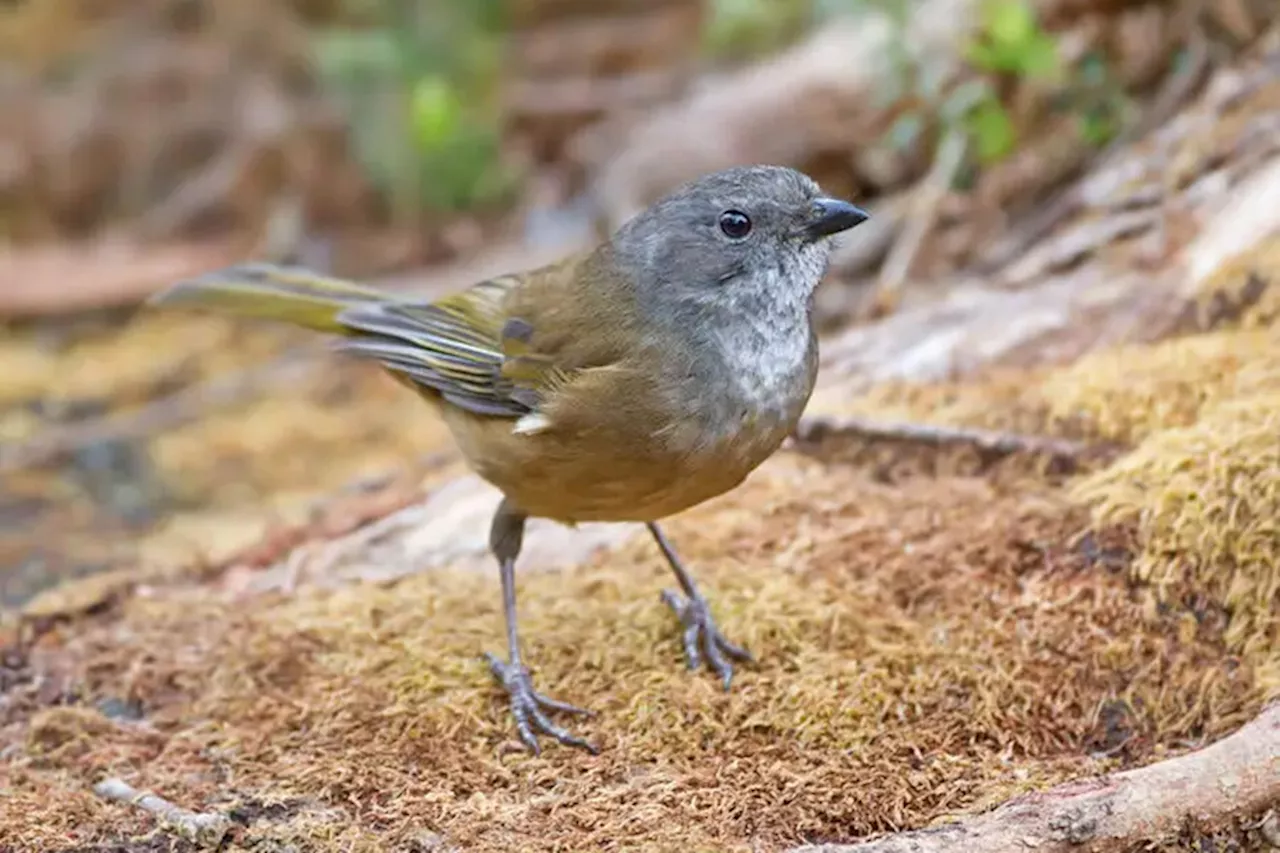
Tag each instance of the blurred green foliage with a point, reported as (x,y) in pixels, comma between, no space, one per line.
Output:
(420,83)
(744,29)
(1009,45)
(421,80)
(1102,106)
(990,128)
(1010,40)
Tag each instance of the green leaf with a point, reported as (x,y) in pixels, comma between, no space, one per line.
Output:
(984,56)
(992,131)
(434,112)
(1012,41)
(1039,56)
(1009,22)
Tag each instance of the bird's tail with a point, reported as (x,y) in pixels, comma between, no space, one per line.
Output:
(289,294)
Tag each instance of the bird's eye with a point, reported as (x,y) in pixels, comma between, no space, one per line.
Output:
(735,224)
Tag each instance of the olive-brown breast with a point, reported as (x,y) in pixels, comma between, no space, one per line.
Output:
(608,448)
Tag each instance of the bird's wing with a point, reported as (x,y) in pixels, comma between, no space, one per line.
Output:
(463,347)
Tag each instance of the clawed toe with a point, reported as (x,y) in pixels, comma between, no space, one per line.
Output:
(701,637)
(529,707)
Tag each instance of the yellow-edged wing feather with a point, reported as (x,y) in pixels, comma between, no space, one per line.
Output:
(462,347)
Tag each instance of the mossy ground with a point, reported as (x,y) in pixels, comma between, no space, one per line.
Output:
(928,644)
(925,648)
(1200,487)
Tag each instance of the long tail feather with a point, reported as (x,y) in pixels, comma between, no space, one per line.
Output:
(438,347)
(290,294)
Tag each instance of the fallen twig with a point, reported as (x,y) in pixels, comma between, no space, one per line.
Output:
(206,829)
(1234,778)
(922,213)
(814,429)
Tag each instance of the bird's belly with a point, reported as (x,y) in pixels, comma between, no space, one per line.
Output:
(611,477)
(641,487)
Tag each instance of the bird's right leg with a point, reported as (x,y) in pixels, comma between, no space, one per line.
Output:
(528,706)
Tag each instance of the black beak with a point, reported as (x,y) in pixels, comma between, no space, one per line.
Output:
(831,216)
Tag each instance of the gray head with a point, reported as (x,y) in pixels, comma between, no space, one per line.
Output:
(732,233)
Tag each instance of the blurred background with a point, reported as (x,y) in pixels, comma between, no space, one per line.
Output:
(424,145)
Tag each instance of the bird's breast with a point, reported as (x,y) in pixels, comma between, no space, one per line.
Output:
(758,371)
(655,435)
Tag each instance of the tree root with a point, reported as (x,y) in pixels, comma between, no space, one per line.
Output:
(1236,777)
(1063,455)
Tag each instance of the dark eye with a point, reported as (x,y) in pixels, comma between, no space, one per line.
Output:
(735,224)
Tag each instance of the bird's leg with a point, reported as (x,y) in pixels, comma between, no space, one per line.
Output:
(528,706)
(695,615)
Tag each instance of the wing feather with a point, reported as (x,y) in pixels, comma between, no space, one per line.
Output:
(459,347)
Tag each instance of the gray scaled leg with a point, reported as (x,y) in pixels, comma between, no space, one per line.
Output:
(528,706)
(701,636)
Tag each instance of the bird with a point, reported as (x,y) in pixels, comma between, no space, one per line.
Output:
(626,382)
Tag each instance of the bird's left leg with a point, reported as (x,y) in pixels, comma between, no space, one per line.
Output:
(701,636)
(528,706)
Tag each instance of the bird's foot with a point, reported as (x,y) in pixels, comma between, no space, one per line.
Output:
(529,707)
(702,637)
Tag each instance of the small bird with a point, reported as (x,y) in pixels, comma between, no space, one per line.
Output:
(625,383)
